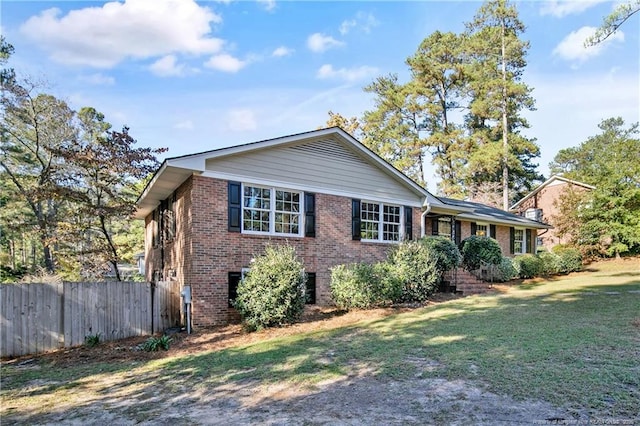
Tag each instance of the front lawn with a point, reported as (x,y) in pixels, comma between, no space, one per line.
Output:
(568,345)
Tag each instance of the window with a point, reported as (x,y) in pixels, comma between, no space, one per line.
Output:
(271,211)
(518,241)
(481,230)
(169,218)
(155,227)
(444,227)
(380,222)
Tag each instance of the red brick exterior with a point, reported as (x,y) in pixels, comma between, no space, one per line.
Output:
(204,251)
(545,199)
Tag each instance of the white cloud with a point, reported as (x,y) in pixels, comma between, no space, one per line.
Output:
(225,62)
(241,120)
(572,48)
(348,74)
(98,79)
(561,8)
(282,51)
(184,125)
(102,37)
(269,5)
(318,42)
(167,66)
(363,21)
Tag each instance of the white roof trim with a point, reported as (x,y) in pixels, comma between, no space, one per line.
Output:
(545,184)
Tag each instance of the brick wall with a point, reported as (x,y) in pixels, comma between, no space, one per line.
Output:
(205,251)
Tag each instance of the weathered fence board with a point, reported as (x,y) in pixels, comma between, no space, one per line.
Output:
(167,305)
(39,317)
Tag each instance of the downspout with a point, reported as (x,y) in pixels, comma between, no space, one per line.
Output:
(423,229)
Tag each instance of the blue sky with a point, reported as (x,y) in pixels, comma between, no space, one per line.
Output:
(194,76)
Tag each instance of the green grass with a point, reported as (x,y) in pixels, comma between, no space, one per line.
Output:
(573,341)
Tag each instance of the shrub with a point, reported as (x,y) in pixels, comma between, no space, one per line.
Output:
(92,340)
(415,266)
(446,254)
(362,285)
(549,263)
(273,292)
(153,344)
(570,259)
(478,251)
(527,266)
(505,271)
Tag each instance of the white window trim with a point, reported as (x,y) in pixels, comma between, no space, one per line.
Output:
(380,239)
(451,222)
(272,211)
(487,226)
(524,241)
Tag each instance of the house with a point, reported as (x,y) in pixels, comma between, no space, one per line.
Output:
(540,205)
(323,192)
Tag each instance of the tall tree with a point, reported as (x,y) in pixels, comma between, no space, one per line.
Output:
(105,165)
(392,129)
(607,218)
(495,66)
(33,128)
(613,21)
(438,77)
(349,125)
(7,75)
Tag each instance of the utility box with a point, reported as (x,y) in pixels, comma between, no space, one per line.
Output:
(186,294)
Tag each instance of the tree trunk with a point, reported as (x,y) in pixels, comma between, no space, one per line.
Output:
(112,248)
(505,130)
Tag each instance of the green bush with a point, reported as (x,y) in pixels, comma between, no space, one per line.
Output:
(527,266)
(446,254)
(92,340)
(570,259)
(549,263)
(273,292)
(415,266)
(478,251)
(153,344)
(505,271)
(362,285)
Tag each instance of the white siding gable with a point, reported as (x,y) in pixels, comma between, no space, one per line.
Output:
(323,165)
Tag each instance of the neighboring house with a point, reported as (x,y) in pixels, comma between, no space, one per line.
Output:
(540,205)
(323,192)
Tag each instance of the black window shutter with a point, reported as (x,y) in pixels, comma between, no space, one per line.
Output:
(355,219)
(311,288)
(235,206)
(234,280)
(434,226)
(512,239)
(458,232)
(529,240)
(408,223)
(492,231)
(474,228)
(309,214)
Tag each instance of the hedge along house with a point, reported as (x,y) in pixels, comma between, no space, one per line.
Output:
(322,192)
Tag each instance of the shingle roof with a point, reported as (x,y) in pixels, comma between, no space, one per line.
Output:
(482,212)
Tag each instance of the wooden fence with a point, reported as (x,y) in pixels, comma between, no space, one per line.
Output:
(41,317)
